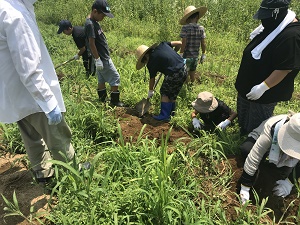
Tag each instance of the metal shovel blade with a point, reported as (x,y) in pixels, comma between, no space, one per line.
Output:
(143,106)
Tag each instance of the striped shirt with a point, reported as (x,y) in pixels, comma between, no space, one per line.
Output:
(193,33)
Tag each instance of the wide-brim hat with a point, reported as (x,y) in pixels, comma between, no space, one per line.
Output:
(140,53)
(190,10)
(289,137)
(205,102)
(270,8)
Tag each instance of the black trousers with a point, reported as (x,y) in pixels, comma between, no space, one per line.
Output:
(88,63)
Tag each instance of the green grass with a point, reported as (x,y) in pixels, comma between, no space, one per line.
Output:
(140,183)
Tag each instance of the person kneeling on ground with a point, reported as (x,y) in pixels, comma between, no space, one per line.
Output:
(213,112)
(279,143)
(162,58)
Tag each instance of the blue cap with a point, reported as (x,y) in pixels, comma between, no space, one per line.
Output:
(64,25)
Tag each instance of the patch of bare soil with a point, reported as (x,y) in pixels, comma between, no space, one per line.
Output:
(131,126)
(14,175)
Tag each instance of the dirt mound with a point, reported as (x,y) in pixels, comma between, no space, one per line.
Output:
(14,177)
(131,126)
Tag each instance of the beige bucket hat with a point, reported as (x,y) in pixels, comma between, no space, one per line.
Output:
(289,137)
(205,102)
(190,10)
(140,53)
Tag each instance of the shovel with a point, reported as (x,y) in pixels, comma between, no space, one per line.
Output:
(143,106)
(64,63)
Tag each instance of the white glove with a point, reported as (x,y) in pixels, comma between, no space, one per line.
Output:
(283,188)
(76,57)
(257,91)
(244,194)
(203,57)
(99,64)
(150,93)
(224,124)
(196,123)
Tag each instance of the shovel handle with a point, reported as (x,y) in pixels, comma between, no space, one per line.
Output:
(156,81)
(64,63)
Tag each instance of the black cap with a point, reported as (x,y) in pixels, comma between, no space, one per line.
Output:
(270,8)
(64,25)
(102,6)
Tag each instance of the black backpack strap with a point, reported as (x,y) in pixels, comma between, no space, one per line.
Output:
(273,126)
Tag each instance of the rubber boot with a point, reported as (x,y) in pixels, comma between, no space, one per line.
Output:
(102,95)
(115,99)
(165,111)
(173,109)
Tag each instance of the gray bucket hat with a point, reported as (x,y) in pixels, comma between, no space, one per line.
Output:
(205,102)
(270,8)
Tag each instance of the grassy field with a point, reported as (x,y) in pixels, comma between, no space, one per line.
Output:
(139,183)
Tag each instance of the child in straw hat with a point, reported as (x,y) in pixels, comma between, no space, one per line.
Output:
(279,144)
(213,112)
(162,58)
(192,37)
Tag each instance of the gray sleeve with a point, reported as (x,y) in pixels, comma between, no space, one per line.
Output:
(257,131)
(262,144)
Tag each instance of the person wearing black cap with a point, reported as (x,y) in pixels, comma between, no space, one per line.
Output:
(77,32)
(99,48)
(269,64)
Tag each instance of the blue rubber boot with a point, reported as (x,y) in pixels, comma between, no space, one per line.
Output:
(173,109)
(165,111)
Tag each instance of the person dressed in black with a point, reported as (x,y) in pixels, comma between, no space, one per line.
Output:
(78,34)
(213,112)
(269,64)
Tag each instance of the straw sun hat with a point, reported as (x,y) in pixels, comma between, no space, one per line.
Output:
(140,53)
(205,102)
(289,137)
(190,10)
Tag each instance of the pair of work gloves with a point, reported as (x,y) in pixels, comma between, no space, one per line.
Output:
(282,189)
(202,58)
(198,125)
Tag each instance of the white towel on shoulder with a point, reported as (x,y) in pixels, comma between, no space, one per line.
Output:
(256,52)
